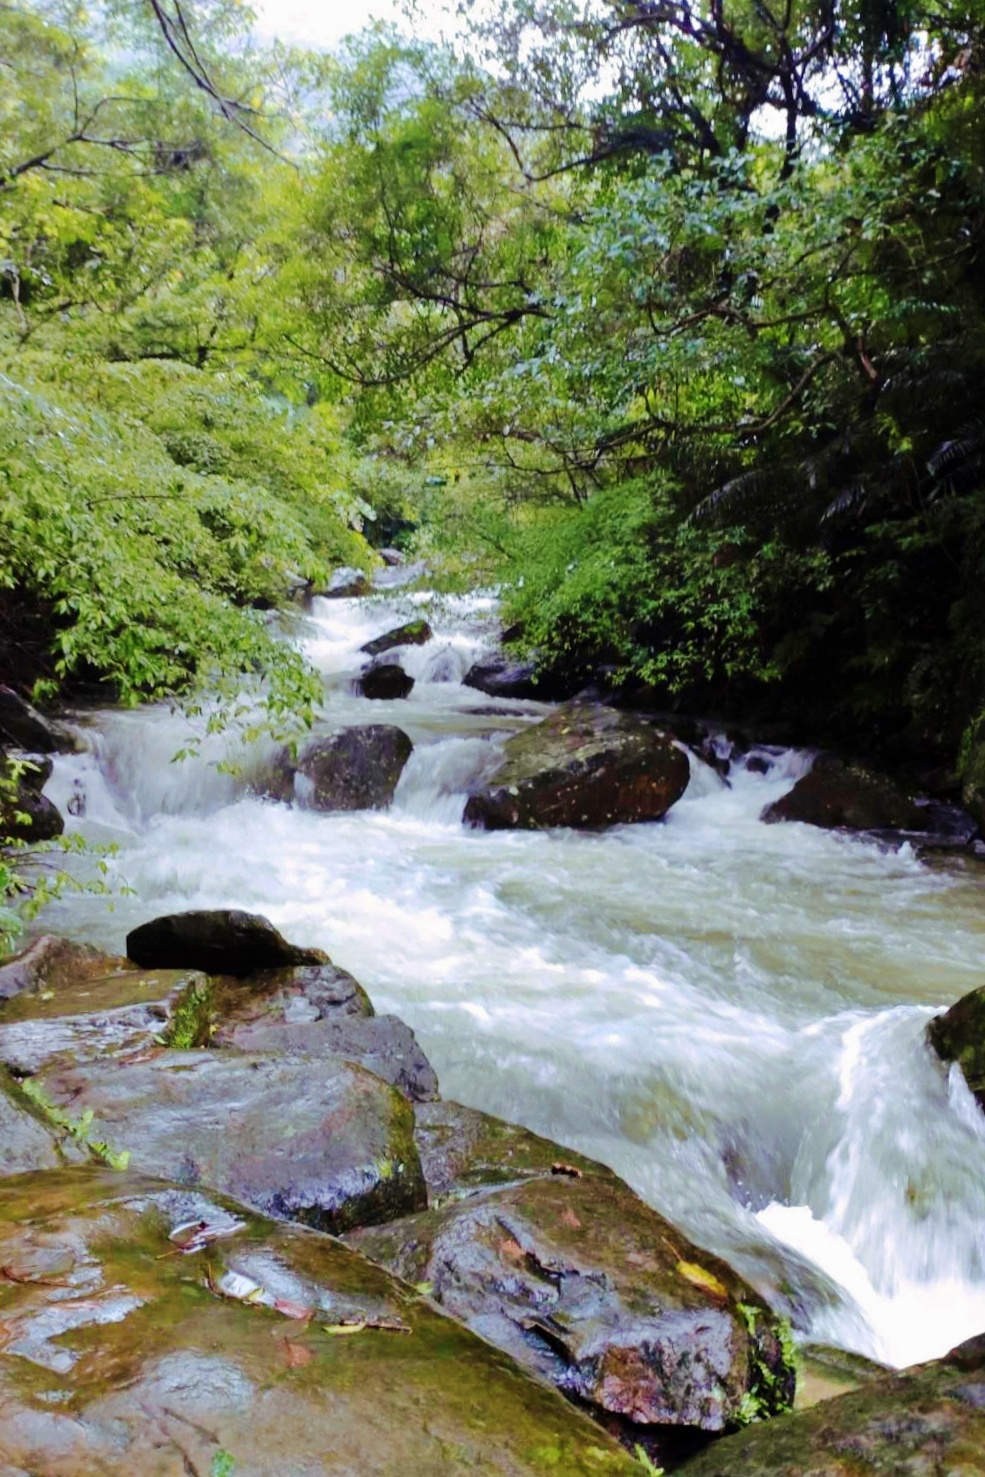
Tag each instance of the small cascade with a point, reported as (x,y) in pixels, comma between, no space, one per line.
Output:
(730,1014)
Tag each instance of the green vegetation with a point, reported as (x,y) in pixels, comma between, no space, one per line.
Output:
(78,1128)
(668,319)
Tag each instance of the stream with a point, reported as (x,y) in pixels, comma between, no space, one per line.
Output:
(729,1014)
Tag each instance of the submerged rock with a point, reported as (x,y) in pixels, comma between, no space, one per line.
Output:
(837,794)
(261,1349)
(583,766)
(959,1036)
(414,633)
(355,769)
(220,941)
(385,681)
(330,1148)
(924,1422)
(578,1279)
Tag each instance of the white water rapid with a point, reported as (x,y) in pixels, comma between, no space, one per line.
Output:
(728,1013)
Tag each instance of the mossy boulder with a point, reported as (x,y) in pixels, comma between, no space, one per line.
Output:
(838,795)
(217,941)
(259,1349)
(323,1142)
(413,633)
(584,766)
(924,1422)
(579,1280)
(959,1036)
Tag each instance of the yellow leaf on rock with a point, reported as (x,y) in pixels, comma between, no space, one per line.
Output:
(699,1276)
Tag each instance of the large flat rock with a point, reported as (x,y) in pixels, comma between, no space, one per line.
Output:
(325,1143)
(270,1350)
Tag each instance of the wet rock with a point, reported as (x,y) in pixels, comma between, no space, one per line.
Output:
(305,1139)
(414,633)
(54,964)
(392,557)
(583,766)
(500,675)
(346,584)
(302,993)
(463,1150)
(26,814)
(23,727)
(33,771)
(30,1046)
(385,680)
(382,1044)
(925,1421)
(837,794)
(220,941)
(824,1372)
(356,769)
(576,1278)
(25,1144)
(122,1355)
(959,1036)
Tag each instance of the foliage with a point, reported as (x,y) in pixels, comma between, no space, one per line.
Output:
(79,1128)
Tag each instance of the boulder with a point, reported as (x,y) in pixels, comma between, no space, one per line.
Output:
(219,941)
(26,814)
(300,1138)
(392,557)
(355,769)
(301,993)
(382,1044)
(414,633)
(583,766)
(53,964)
(959,1036)
(575,1277)
(385,680)
(150,1329)
(922,1422)
(23,727)
(346,584)
(500,675)
(835,794)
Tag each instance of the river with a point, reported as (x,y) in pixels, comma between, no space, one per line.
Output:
(729,1014)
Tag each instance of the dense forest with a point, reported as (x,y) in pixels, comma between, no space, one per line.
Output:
(666,318)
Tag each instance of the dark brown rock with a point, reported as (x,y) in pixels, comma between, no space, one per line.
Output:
(584,766)
(959,1036)
(500,675)
(305,1139)
(414,633)
(121,1355)
(221,941)
(835,794)
(27,815)
(575,1277)
(924,1422)
(385,681)
(355,769)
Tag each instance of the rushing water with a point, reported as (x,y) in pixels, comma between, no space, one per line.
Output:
(728,1013)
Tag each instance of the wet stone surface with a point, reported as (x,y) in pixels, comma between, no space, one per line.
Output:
(129,1346)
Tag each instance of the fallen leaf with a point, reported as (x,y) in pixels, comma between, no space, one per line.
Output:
(569,1218)
(512,1249)
(295,1356)
(341,1328)
(570,1171)
(194,1235)
(700,1277)
(363,1325)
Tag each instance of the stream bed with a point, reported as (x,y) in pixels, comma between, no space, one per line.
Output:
(729,1014)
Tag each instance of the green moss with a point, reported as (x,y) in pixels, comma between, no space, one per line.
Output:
(78,1128)
(193,1017)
